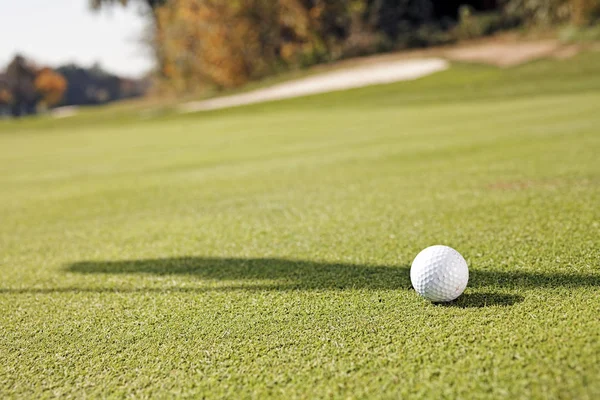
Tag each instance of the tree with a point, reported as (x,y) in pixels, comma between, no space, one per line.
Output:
(21,82)
(5,95)
(225,43)
(50,86)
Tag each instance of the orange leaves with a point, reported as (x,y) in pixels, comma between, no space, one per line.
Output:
(206,42)
(5,96)
(50,85)
(216,43)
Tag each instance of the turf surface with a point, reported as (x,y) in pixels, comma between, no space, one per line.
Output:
(264,251)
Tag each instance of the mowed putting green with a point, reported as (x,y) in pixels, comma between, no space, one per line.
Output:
(264,251)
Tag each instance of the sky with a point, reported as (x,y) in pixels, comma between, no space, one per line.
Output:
(56,32)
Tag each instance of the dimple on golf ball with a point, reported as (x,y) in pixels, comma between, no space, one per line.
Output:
(439,273)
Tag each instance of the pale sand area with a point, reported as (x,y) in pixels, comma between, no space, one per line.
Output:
(353,77)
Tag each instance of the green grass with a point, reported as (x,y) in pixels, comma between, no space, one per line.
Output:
(264,251)
(581,35)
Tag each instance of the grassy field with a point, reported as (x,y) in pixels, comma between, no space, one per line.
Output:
(264,251)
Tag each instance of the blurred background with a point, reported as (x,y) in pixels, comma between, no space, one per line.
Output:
(150,250)
(91,52)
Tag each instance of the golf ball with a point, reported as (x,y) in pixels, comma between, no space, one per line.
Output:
(439,273)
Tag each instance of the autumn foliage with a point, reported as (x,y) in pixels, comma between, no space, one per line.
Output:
(212,42)
(50,86)
(5,94)
(24,86)
(203,44)
(200,44)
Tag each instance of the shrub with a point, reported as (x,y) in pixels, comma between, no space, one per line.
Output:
(473,25)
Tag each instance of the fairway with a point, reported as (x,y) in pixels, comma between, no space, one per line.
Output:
(264,251)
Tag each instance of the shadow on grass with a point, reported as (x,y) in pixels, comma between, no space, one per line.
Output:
(480,300)
(283,274)
(260,273)
(114,290)
(305,275)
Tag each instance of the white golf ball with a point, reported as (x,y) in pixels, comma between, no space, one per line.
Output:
(439,273)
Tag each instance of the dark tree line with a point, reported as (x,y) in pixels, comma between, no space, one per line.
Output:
(92,86)
(26,88)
